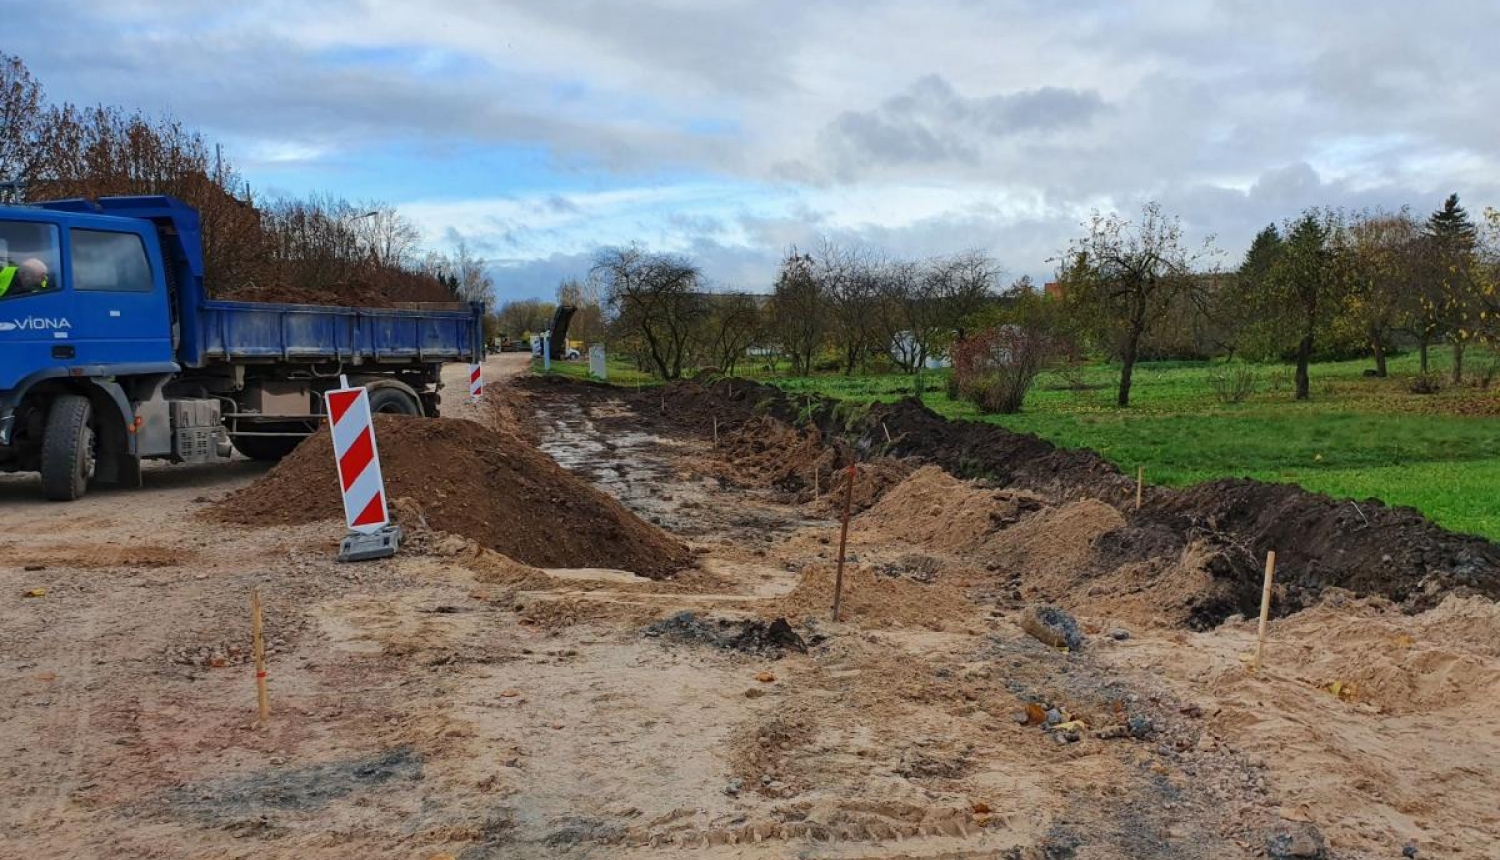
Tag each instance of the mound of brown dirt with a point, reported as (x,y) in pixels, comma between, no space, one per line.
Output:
(935,510)
(1055,546)
(1399,663)
(873,600)
(489,486)
(1065,554)
(872,481)
(766,452)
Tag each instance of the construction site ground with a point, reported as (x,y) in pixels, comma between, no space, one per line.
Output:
(453,702)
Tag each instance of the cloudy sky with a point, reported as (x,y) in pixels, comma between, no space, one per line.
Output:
(732,130)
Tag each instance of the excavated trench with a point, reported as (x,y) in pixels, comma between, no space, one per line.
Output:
(1208,541)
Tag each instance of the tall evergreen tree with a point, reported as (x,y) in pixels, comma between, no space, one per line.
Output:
(1450,295)
(1264,251)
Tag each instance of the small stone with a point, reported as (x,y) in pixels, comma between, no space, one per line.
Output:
(1054,716)
(510,693)
(764,677)
(1119,634)
(1140,727)
(733,788)
(1052,626)
(1297,839)
(980,807)
(1409,849)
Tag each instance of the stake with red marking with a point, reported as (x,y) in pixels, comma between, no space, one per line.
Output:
(838,579)
(258,645)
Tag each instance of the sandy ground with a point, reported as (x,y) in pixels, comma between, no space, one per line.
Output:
(442,704)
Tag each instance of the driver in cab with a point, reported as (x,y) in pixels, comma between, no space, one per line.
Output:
(28,277)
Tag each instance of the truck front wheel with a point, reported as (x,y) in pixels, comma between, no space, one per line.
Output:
(68,452)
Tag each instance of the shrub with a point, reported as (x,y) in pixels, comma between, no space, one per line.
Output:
(1426,383)
(995,368)
(1233,384)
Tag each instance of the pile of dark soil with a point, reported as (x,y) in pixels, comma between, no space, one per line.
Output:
(1366,547)
(340,294)
(489,486)
(752,636)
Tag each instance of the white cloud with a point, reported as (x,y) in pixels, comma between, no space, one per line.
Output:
(927,126)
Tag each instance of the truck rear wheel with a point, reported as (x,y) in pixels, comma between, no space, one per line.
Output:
(269,448)
(391,400)
(68,452)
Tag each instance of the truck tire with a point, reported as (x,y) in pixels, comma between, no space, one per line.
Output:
(269,448)
(68,453)
(391,400)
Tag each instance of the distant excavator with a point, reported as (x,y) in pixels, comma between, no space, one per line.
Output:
(557,336)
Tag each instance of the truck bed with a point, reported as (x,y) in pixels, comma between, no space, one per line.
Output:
(262,332)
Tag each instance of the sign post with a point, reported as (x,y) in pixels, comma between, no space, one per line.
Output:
(371,534)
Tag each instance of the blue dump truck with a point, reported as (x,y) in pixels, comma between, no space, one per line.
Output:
(112,353)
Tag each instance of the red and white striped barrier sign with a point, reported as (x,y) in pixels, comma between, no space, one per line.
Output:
(476,381)
(358,459)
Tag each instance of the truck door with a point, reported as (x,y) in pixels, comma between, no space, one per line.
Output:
(120,298)
(35,311)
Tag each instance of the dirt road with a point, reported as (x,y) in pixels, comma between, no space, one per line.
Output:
(448,703)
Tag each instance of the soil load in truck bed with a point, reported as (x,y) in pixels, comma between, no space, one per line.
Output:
(490,486)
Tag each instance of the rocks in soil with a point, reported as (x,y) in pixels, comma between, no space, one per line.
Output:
(488,485)
(1052,626)
(752,636)
(1295,840)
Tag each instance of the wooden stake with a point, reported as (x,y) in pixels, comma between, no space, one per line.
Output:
(1140,483)
(838,578)
(1265,610)
(258,643)
(887,432)
(817,491)
(716,431)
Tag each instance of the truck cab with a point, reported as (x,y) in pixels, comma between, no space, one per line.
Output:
(82,290)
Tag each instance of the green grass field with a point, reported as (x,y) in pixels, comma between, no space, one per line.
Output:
(1357,437)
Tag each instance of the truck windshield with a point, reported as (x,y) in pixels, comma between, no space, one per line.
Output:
(28,259)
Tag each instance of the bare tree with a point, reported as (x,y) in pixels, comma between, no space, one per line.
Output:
(799,312)
(655,301)
(472,272)
(733,324)
(849,279)
(21,116)
(390,238)
(1124,275)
